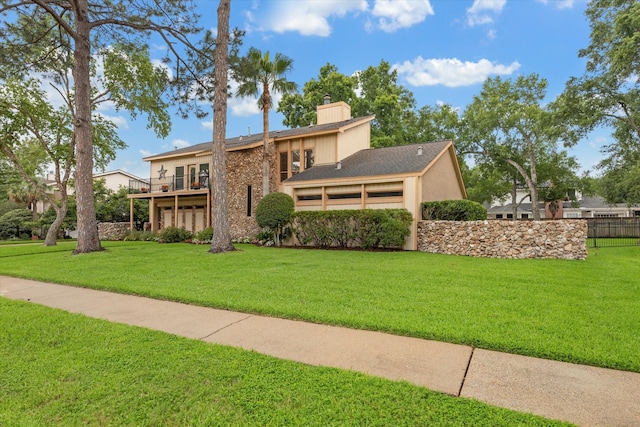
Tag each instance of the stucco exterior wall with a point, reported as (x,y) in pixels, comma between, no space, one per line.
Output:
(565,239)
(440,182)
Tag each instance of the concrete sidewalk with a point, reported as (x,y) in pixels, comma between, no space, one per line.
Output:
(583,395)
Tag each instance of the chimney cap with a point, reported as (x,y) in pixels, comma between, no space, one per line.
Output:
(339,165)
(327,99)
(420,150)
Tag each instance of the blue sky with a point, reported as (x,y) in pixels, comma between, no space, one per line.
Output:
(443,50)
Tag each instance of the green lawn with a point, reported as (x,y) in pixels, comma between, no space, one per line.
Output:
(576,311)
(61,369)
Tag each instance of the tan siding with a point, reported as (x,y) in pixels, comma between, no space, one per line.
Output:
(391,205)
(308,191)
(325,149)
(344,189)
(332,113)
(385,186)
(441,182)
(353,140)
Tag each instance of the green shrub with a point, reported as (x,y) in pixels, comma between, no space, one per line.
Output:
(204,235)
(454,210)
(274,212)
(367,228)
(174,235)
(16,224)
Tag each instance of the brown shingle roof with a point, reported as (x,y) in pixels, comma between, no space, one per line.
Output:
(377,161)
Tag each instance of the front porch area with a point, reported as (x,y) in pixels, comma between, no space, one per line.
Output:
(189,209)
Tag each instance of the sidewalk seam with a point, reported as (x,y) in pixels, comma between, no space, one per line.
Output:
(225,327)
(466,371)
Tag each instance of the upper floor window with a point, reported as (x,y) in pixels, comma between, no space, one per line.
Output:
(292,160)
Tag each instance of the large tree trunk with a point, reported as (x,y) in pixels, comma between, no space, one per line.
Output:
(88,240)
(221,241)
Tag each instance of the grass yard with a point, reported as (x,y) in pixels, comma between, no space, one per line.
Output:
(66,369)
(576,311)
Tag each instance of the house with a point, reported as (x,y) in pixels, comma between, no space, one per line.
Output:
(583,207)
(113,180)
(116,179)
(328,165)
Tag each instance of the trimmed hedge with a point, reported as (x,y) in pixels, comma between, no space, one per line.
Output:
(367,228)
(454,210)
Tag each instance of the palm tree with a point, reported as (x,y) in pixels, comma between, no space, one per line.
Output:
(258,73)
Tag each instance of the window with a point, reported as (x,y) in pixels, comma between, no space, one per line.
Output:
(284,166)
(384,194)
(295,157)
(509,216)
(304,198)
(295,162)
(344,196)
(179,177)
(308,158)
(525,216)
(203,174)
(248,200)
(498,216)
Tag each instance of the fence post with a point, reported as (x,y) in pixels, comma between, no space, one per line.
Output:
(595,234)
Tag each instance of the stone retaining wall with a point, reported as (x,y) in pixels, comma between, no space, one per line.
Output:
(565,239)
(112,230)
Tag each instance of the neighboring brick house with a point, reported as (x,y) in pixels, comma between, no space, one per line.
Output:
(322,166)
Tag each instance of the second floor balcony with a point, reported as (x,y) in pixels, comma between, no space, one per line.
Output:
(197,182)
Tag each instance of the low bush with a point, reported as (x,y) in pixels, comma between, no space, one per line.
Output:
(454,210)
(174,235)
(367,228)
(204,235)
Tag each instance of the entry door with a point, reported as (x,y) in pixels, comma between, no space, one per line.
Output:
(193,175)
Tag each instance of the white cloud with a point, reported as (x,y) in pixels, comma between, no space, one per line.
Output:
(395,14)
(146,153)
(120,121)
(451,72)
(482,11)
(310,17)
(180,143)
(157,63)
(492,34)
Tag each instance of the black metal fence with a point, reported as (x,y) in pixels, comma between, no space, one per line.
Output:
(609,232)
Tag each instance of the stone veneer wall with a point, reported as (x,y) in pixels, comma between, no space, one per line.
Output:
(566,239)
(112,230)
(244,168)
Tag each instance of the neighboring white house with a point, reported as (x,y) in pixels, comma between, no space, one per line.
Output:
(113,180)
(582,207)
